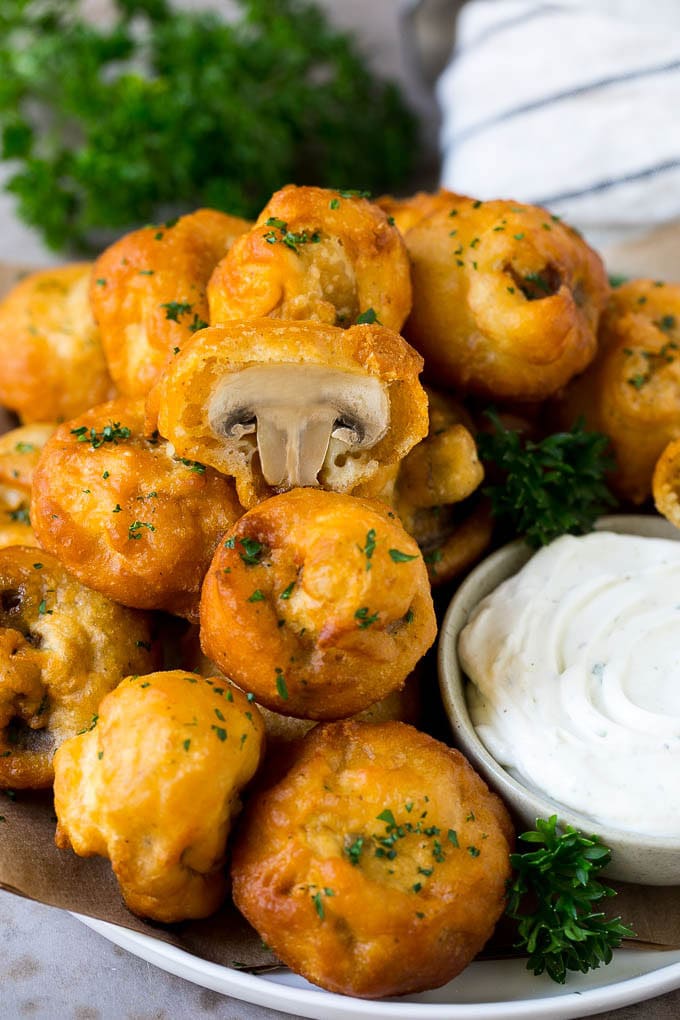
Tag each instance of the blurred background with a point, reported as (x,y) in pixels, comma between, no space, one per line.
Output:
(120,112)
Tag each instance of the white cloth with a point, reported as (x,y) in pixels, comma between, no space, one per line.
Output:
(573,105)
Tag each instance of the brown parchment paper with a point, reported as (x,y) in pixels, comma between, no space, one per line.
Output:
(31,866)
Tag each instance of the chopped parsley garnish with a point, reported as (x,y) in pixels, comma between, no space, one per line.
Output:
(398,556)
(473,851)
(387,817)
(143,644)
(288,237)
(369,548)
(24,447)
(135,529)
(43,610)
(353,851)
(220,733)
(368,318)
(253,551)
(334,203)
(353,193)
(21,515)
(193,465)
(364,618)
(281,684)
(552,894)
(109,434)
(219,715)
(37,566)
(197,323)
(175,309)
(257,596)
(287,591)
(187,744)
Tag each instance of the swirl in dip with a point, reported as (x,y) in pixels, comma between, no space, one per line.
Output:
(575,678)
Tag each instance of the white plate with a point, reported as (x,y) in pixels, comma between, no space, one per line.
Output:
(488,990)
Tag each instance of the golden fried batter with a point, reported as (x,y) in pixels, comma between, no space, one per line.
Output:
(281,404)
(318,603)
(666,483)
(51,359)
(19,452)
(315,254)
(62,648)
(632,390)
(440,472)
(506,299)
(377,865)
(148,292)
(155,785)
(124,515)
(405,213)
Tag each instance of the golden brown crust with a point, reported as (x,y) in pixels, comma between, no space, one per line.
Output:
(51,359)
(317,254)
(631,392)
(666,483)
(506,300)
(19,453)
(189,386)
(62,648)
(350,587)
(408,212)
(148,293)
(161,809)
(377,865)
(126,517)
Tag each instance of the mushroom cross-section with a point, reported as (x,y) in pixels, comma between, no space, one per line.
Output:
(296,412)
(278,404)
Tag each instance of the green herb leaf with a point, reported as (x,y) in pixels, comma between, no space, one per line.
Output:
(401,557)
(368,318)
(552,895)
(550,488)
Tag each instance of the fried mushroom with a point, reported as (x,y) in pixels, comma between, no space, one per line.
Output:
(160,808)
(124,515)
(316,254)
(148,293)
(19,452)
(62,648)
(506,299)
(377,865)
(52,364)
(631,392)
(280,404)
(318,603)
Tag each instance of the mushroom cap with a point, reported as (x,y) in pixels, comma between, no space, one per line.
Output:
(315,253)
(313,381)
(148,293)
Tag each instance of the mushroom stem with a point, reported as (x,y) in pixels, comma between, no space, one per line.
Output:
(293,448)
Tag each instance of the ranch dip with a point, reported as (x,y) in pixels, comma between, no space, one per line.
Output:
(575,678)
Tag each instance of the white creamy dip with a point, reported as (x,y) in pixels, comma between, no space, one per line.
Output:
(575,670)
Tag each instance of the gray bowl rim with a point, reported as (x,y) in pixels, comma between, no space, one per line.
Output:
(452,682)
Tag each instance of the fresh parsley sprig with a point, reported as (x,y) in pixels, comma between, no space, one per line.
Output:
(550,488)
(552,895)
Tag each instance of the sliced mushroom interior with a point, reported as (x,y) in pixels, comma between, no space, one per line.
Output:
(292,411)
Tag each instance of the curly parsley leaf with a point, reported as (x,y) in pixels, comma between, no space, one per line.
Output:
(550,488)
(159,109)
(552,895)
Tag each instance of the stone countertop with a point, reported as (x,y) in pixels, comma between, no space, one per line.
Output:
(55,968)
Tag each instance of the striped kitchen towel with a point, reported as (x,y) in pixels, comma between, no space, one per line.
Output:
(572,105)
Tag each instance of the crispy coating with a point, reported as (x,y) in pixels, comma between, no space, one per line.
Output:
(148,293)
(666,483)
(407,212)
(632,390)
(377,865)
(124,515)
(160,809)
(318,603)
(439,473)
(51,359)
(19,452)
(188,399)
(506,299)
(315,254)
(62,648)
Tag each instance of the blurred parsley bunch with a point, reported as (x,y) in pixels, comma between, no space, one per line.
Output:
(164,111)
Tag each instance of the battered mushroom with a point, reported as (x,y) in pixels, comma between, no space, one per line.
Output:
(51,360)
(148,293)
(62,648)
(377,866)
(317,603)
(405,213)
(161,807)
(506,299)
(124,515)
(19,452)
(315,254)
(439,474)
(632,390)
(277,405)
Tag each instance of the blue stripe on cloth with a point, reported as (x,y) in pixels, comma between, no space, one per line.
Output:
(503,26)
(612,182)
(557,97)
